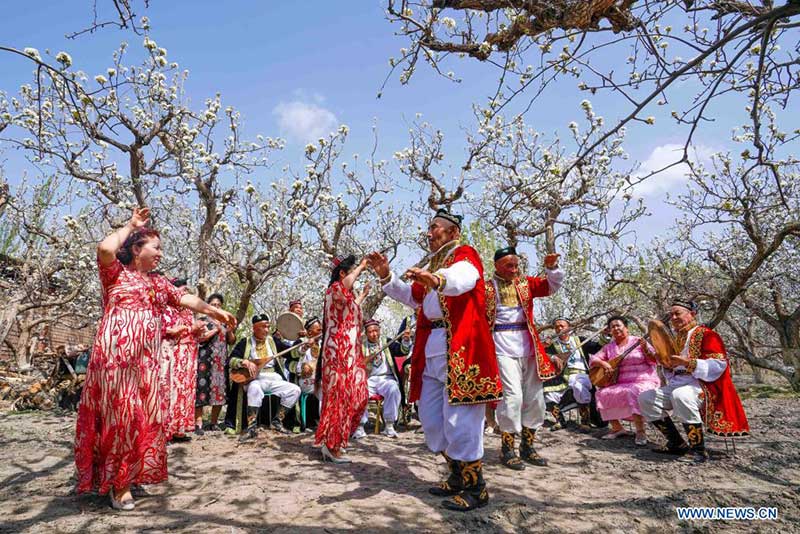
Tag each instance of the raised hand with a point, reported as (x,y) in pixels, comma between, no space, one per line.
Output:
(378,263)
(139,218)
(551,261)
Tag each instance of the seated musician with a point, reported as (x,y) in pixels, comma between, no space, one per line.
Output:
(699,389)
(269,379)
(637,373)
(305,370)
(382,377)
(576,390)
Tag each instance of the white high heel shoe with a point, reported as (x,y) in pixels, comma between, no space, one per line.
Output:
(327,456)
(125,506)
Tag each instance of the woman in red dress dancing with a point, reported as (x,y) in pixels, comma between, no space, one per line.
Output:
(119,436)
(344,376)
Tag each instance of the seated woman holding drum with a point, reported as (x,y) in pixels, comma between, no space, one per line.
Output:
(637,373)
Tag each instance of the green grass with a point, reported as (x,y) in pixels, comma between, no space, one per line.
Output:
(767,391)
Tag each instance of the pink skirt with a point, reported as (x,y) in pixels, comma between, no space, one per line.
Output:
(621,401)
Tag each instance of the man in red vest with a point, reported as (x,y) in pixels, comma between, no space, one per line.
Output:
(453,365)
(522,360)
(699,389)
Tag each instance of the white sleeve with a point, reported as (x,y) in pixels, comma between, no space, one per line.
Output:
(460,278)
(400,291)
(709,370)
(554,279)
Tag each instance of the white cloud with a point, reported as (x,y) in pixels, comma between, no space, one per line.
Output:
(669,179)
(304,121)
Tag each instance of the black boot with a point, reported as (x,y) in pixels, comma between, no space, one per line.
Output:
(697,443)
(474,494)
(252,424)
(508,453)
(526,450)
(675,443)
(277,421)
(453,484)
(560,423)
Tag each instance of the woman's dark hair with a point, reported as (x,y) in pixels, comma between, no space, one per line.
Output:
(179,282)
(343,266)
(136,239)
(620,318)
(218,296)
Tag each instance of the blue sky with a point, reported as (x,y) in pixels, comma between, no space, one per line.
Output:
(320,64)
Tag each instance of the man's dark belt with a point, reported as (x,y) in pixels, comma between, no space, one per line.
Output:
(510,327)
(679,372)
(439,323)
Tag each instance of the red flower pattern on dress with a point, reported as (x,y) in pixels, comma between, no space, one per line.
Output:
(344,375)
(119,436)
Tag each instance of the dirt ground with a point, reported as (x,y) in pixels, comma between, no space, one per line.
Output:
(279,484)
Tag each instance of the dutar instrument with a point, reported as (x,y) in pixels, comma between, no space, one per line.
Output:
(661,339)
(242,375)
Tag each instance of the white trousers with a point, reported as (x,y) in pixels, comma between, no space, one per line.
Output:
(581,388)
(455,430)
(523,397)
(388,388)
(683,400)
(273,384)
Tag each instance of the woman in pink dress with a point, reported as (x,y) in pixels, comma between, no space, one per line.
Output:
(637,373)
(179,368)
(119,435)
(344,375)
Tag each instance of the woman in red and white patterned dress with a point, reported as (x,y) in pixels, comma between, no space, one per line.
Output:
(344,375)
(179,368)
(119,435)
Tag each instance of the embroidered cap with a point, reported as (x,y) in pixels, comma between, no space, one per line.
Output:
(688,304)
(442,213)
(296,302)
(259,317)
(503,252)
(311,322)
(371,322)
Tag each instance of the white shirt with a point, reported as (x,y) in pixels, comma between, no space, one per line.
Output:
(460,277)
(519,343)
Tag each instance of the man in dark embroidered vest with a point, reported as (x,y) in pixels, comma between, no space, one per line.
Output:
(269,379)
(521,357)
(699,389)
(453,363)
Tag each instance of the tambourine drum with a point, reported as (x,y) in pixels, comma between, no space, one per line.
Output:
(289,325)
(662,341)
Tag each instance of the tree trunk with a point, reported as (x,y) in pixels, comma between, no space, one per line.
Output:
(22,347)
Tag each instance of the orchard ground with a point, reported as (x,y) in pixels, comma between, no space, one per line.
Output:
(279,484)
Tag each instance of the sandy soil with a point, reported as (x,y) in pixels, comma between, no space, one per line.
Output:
(278,484)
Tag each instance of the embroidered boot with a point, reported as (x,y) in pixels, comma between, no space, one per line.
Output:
(697,443)
(452,485)
(252,424)
(560,423)
(277,421)
(675,443)
(585,419)
(474,494)
(508,453)
(526,450)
